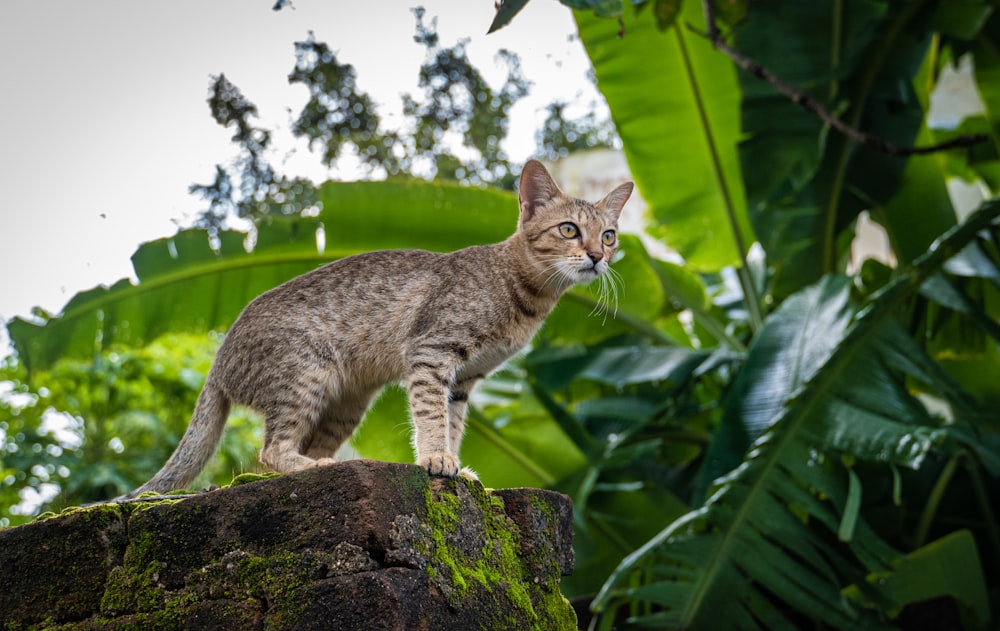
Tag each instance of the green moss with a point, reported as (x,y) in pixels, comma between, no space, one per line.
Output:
(442,517)
(128,591)
(93,510)
(154,496)
(498,569)
(278,580)
(134,587)
(412,483)
(247,478)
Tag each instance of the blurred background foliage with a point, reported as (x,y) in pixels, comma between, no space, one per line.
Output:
(770,432)
(96,425)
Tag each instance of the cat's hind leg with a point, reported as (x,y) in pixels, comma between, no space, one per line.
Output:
(335,426)
(285,433)
(291,416)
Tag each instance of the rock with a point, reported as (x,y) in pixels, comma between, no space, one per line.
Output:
(357,545)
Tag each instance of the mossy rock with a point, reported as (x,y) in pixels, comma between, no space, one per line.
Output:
(360,544)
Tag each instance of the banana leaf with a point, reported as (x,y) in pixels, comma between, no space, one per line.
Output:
(675,103)
(783,526)
(805,183)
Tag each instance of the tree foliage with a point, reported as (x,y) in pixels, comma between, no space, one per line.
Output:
(453,131)
(102,422)
(260,191)
(560,135)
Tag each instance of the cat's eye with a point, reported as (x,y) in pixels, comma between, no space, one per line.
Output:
(568,230)
(608,238)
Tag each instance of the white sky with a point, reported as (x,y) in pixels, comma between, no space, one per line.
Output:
(104,124)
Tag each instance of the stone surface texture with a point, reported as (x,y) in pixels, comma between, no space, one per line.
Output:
(357,545)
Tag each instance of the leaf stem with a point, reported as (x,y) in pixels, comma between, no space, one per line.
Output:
(750,296)
(836,45)
(717,329)
(934,500)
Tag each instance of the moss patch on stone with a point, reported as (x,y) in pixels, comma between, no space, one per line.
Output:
(247,478)
(114,510)
(276,580)
(496,567)
(274,583)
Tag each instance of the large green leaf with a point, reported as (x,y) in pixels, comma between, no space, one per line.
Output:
(785,524)
(925,193)
(187,286)
(785,354)
(806,184)
(929,573)
(675,103)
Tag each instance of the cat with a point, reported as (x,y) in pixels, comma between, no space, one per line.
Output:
(311,354)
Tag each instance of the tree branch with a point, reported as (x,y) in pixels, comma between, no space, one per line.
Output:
(813,106)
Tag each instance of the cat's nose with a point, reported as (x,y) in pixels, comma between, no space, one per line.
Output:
(595,256)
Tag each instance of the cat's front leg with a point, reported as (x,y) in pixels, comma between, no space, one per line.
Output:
(458,402)
(428,389)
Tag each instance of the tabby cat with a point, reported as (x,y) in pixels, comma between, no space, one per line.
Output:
(311,354)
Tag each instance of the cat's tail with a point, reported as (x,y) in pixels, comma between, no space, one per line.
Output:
(197,446)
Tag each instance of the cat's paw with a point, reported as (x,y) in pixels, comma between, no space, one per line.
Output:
(468,474)
(440,464)
(325,462)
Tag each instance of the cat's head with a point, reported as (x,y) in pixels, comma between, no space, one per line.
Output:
(569,240)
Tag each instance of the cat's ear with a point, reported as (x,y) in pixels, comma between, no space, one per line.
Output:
(614,201)
(537,189)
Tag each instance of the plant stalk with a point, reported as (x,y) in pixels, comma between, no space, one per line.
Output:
(934,500)
(750,296)
(859,100)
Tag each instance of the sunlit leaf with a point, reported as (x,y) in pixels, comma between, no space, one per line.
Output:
(675,102)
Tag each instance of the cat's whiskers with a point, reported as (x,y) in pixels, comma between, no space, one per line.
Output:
(601,306)
(554,272)
(553,269)
(607,294)
(614,281)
